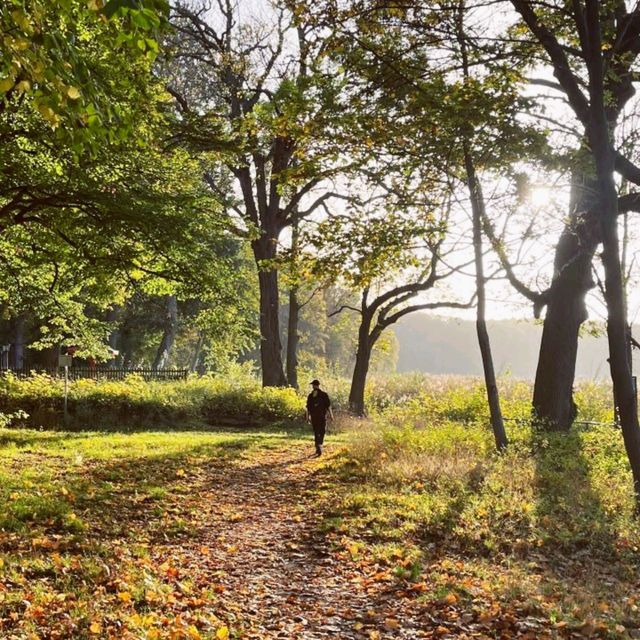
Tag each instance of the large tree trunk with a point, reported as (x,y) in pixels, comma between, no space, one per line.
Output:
(553,404)
(168,333)
(270,345)
(600,139)
(293,338)
(493,397)
(361,368)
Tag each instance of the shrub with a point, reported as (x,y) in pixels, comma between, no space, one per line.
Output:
(135,402)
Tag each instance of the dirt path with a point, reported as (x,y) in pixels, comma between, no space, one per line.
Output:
(260,549)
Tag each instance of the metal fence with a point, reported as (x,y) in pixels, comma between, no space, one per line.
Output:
(100,373)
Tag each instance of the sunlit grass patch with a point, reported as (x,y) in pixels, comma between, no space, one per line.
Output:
(80,514)
(547,526)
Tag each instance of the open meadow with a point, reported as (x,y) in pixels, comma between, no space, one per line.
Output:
(410,526)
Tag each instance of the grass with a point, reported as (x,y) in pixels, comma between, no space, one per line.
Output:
(80,514)
(547,528)
(546,531)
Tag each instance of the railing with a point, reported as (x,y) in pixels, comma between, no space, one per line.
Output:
(100,373)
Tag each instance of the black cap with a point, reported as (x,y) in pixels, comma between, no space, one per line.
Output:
(315,382)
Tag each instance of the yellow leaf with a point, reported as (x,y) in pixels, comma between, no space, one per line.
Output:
(180,473)
(22,86)
(222,633)
(193,633)
(21,20)
(124,596)
(1,563)
(95,628)
(6,84)
(48,114)
(451,598)
(73,93)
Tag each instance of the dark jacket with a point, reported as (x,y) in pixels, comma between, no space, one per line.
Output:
(318,405)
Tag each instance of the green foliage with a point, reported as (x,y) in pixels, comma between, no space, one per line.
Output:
(134,403)
(70,63)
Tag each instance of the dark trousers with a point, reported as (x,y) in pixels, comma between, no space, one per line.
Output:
(319,424)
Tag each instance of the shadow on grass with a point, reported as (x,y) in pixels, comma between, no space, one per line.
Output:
(98,485)
(570,515)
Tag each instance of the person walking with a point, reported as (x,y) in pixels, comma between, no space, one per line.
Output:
(318,406)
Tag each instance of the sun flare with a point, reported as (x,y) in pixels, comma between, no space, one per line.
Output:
(540,196)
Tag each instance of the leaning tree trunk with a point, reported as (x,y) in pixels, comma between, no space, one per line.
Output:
(361,368)
(293,338)
(270,345)
(493,397)
(168,333)
(553,404)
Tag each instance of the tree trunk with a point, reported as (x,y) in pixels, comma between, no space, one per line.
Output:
(479,214)
(270,345)
(294,311)
(195,360)
(18,341)
(553,404)
(361,368)
(493,397)
(293,338)
(600,139)
(114,336)
(623,389)
(169,333)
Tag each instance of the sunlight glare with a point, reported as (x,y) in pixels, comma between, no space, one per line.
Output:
(540,196)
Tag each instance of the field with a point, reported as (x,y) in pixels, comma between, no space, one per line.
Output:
(410,526)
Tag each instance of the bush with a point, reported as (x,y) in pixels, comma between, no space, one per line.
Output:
(135,402)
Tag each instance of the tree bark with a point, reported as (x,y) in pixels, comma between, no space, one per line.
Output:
(169,333)
(293,338)
(18,341)
(195,359)
(270,345)
(478,213)
(294,312)
(600,138)
(553,405)
(361,368)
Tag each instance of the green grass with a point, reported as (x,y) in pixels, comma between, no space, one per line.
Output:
(133,403)
(80,512)
(548,527)
(546,530)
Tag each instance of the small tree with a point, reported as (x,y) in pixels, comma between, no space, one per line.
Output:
(390,258)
